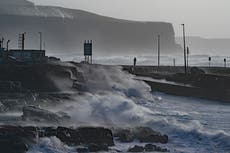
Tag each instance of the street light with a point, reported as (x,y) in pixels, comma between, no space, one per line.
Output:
(188,52)
(185,63)
(159,46)
(40,34)
(209,59)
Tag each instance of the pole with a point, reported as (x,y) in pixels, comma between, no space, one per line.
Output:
(23,41)
(209,59)
(2,42)
(185,65)
(187,56)
(7,45)
(40,34)
(159,48)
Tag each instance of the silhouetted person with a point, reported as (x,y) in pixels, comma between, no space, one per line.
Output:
(209,59)
(134,61)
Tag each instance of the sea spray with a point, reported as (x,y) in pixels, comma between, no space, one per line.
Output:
(111,99)
(51,145)
(115,99)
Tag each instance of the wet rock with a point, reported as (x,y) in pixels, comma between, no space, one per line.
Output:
(151,148)
(82,149)
(98,135)
(48,132)
(125,135)
(17,139)
(96,139)
(143,134)
(85,135)
(136,149)
(97,147)
(68,136)
(159,149)
(31,133)
(147,148)
(13,146)
(37,114)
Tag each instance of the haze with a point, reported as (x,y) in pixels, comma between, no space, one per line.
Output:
(206,18)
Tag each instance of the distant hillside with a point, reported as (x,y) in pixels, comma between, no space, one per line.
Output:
(65,30)
(16,2)
(213,46)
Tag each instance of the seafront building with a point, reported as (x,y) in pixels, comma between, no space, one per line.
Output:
(22,56)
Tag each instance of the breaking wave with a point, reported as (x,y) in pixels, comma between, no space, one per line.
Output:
(115,99)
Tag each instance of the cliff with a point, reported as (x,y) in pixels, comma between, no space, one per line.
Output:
(65,30)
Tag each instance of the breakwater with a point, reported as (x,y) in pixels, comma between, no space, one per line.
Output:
(202,82)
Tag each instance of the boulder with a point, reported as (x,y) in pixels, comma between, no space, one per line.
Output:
(37,114)
(10,145)
(151,148)
(84,135)
(48,132)
(17,139)
(68,136)
(97,135)
(143,134)
(82,149)
(125,135)
(97,147)
(147,148)
(136,149)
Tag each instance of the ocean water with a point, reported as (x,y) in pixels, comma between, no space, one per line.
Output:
(115,99)
(194,125)
(152,59)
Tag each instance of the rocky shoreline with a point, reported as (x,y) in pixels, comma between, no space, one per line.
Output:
(18,139)
(32,99)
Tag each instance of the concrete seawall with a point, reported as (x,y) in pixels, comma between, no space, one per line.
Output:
(202,82)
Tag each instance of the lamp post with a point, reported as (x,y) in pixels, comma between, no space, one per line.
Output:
(40,34)
(174,62)
(185,63)
(209,61)
(188,52)
(21,42)
(159,48)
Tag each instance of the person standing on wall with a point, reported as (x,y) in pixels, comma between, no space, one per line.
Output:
(134,63)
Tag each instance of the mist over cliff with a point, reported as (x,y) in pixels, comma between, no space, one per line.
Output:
(64,30)
(209,46)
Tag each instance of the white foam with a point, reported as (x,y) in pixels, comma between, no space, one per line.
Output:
(115,99)
(51,145)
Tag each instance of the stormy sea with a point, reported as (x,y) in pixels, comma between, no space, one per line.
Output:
(112,98)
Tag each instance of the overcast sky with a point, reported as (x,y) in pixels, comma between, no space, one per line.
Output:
(206,18)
